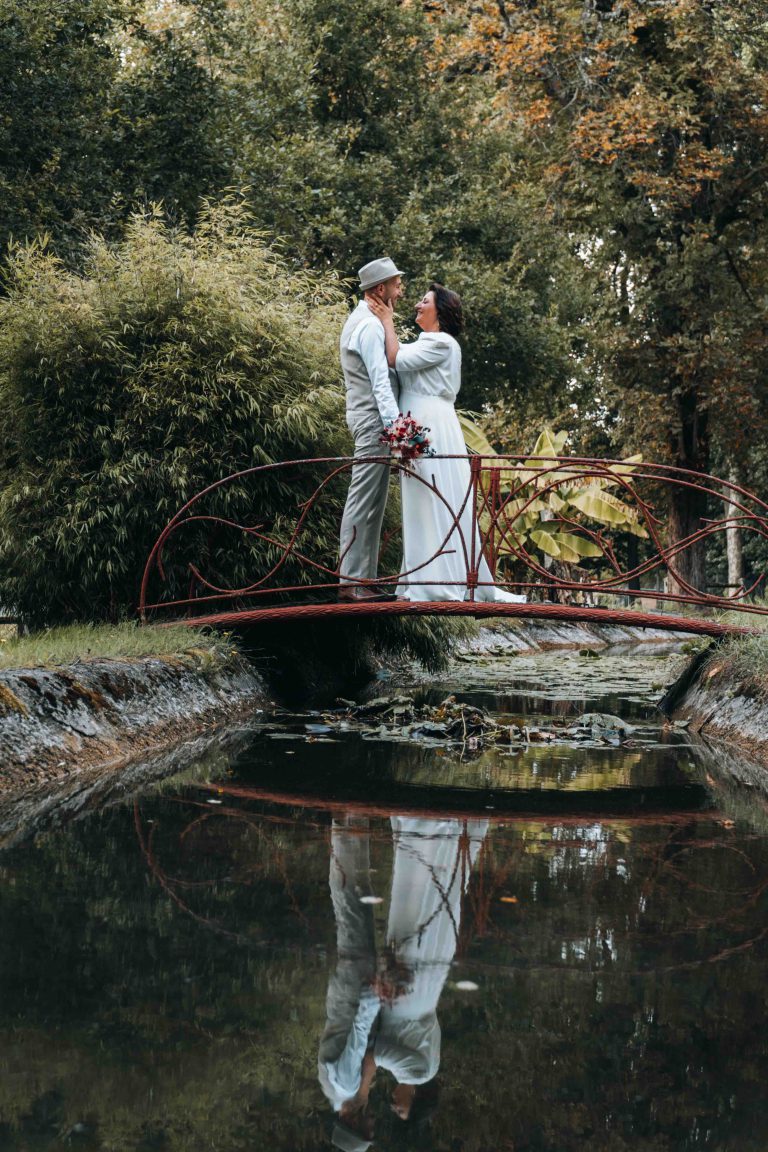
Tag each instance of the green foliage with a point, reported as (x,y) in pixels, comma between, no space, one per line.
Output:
(740,663)
(338,121)
(174,122)
(541,508)
(590,182)
(76,642)
(489,235)
(56,76)
(105,104)
(173,360)
(649,124)
(360,144)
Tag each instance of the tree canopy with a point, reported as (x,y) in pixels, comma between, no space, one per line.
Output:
(589,174)
(651,128)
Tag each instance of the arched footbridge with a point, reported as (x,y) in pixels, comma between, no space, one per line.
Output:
(583,539)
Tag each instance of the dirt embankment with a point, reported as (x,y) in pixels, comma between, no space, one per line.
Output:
(718,704)
(55,721)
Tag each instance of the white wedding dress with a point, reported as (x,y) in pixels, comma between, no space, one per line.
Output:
(430,875)
(437,555)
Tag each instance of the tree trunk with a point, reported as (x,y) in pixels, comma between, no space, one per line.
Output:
(733,543)
(633,559)
(688,506)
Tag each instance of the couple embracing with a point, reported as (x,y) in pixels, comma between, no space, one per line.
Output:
(384,379)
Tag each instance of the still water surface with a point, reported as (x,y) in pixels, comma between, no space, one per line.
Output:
(560,948)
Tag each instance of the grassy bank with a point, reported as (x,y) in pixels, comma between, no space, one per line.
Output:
(300,661)
(77,642)
(740,662)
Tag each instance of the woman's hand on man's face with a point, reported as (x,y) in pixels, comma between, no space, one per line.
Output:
(384,312)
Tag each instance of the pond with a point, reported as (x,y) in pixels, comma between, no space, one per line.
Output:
(534,945)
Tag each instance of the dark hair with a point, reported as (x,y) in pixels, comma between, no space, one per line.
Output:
(423,1107)
(449,311)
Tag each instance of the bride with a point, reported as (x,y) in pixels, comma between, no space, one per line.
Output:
(436,555)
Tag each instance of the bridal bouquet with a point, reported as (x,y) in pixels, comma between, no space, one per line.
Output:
(407,438)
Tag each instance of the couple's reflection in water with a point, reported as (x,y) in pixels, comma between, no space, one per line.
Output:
(383,995)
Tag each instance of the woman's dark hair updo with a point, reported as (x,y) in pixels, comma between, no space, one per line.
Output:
(450,315)
(423,1109)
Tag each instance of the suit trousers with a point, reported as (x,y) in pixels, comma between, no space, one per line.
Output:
(361,523)
(351,1006)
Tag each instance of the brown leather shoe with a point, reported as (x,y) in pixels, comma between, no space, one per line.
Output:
(360,594)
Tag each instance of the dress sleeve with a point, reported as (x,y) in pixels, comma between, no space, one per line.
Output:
(411,1052)
(368,340)
(425,352)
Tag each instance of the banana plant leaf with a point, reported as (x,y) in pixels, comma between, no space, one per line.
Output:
(607,509)
(477,442)
(519,522)
(563,546)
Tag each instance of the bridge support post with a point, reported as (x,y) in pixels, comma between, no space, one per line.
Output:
(492,501)
(475,551)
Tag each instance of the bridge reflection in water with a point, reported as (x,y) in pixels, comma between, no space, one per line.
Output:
(453,944)
(587,974)
(217,563)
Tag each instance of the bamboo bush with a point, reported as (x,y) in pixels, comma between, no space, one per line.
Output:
(171,360)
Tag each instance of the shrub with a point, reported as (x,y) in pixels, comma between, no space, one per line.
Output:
(171,360)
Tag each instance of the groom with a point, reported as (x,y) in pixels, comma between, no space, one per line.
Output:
(371,404)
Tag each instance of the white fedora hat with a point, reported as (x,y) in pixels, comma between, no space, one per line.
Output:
(376,272)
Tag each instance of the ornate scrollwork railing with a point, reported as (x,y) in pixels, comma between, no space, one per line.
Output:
(517,513)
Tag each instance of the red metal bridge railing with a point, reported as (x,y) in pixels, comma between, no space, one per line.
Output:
(218,558)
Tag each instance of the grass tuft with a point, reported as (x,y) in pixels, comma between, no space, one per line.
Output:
(740,662)
(72,643)
(747,619)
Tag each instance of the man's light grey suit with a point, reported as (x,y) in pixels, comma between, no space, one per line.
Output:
(371,402)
